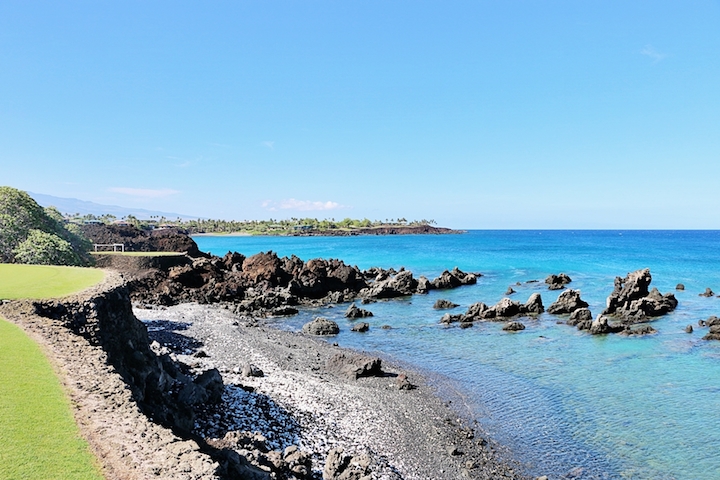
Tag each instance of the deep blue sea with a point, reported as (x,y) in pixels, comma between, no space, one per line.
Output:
(560,399)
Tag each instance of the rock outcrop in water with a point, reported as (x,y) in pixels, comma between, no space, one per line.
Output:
(581,318)
(453,279)
(503,310)
(442,304)
(557,282)
(632,302)
(567,302)
(354,312)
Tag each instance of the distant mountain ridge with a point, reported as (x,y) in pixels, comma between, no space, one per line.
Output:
(83,207)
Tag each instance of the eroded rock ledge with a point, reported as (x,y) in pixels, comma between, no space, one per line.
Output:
(149,412)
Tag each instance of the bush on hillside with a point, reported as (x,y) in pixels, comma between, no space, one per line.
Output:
(22,221)
(42,248)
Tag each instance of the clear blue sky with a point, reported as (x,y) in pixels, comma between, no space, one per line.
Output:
(478,114)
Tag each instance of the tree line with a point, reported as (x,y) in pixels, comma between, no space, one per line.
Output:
(252,227)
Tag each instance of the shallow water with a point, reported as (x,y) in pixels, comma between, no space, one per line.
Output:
(561,399)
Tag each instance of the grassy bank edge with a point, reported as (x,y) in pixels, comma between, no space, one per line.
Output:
(45,281)
(41,438)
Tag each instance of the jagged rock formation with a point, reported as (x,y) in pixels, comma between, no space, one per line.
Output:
(557,282)
(158,385)
(388,285)
(631,301)
(354,312)
(567,302)
(453,279)
(503,310)
(442,304)
(136,240)
(339,466)
(580,318)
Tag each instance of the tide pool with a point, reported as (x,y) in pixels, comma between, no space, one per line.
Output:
(562,400)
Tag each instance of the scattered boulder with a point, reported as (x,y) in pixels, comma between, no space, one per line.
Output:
(579,315)
(354,365)
(403,383)
(509,291)
(479,311)
(707,293)
(354,311)
(712,320)
(442,304)
(504,309)
(689,329)
(453,279)
(641,330)
(534,305)
(601,326)
(423,286)
(449,318)
(321,326)
(632,302)
(679,286)
(284,311)
(360,327)
(344,467)
(208,387)
(400,285)
(567,302)
(557,282)
(249,370)
(513,327)
(507,308)
(714,333)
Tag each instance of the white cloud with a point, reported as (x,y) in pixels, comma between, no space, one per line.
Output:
(269,144)
(300,205)
(650,51)
(145,192)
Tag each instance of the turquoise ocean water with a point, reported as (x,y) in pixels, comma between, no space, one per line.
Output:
(560,399)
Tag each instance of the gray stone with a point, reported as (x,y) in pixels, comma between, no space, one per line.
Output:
(513,327)
(354,365)
(321,326)
(249,370)
(567,302)
(360,327)
(442,304)
(579,315)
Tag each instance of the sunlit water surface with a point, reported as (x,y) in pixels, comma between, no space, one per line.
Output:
(615,407)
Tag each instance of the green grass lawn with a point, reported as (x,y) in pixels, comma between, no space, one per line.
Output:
(45,281)
(38,435)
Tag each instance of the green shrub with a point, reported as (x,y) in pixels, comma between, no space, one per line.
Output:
(42,248)
(21,217)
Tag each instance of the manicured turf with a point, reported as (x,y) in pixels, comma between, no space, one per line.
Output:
(43,281)
(38,435)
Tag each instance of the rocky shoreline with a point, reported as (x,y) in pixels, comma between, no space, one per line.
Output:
(285,386)
(198,392)
(206,389)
